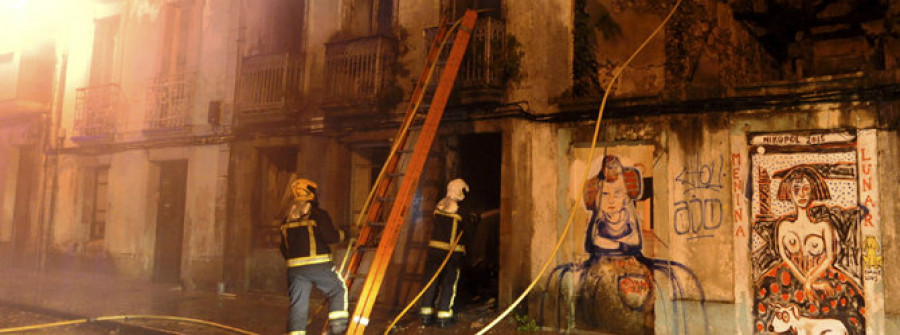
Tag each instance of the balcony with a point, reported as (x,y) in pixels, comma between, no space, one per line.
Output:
(270,89)
(481,78)
(95,112)
(358,74)
(169,103)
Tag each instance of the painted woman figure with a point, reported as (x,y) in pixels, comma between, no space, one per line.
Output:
(614,289)
(614,228)
(808,243)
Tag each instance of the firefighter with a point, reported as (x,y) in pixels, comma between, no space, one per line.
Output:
(449,220)
(305,234)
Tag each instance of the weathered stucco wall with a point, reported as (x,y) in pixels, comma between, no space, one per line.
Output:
(621,27)
(542,27)
(203,230)
(323,25)
(517,231)
(129,236)
(699,198)
(889,178)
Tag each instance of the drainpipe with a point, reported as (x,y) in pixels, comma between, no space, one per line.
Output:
(229,253)
(52,142)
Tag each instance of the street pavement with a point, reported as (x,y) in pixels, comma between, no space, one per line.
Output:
(77,295)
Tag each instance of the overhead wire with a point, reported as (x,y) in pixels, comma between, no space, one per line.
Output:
(562,236)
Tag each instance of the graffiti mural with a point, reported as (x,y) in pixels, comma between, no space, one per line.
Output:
(806,245)
(612,283)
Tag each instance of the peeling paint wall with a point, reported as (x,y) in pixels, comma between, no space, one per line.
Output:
(699,198)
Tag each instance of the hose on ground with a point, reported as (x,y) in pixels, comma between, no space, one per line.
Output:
(126,318)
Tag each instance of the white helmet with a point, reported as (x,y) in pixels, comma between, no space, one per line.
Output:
(457,189)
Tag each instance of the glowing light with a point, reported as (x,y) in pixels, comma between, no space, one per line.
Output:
(26,23)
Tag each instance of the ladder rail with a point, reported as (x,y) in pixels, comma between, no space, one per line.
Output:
(400,208)
(368,215)
(418,95)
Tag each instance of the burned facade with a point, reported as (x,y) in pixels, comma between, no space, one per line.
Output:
(154,140)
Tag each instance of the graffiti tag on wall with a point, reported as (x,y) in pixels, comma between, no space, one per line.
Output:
(700,211)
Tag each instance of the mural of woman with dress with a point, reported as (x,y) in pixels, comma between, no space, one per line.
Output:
(613,228)
(614,288)
(809,240)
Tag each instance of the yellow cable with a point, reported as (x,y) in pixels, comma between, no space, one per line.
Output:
(433,277)
(404,129)
(590,156)
(125,318)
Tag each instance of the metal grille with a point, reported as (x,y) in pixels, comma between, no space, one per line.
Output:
(486,48)
(169,101)
(270,83)
(95,110)
(357,70)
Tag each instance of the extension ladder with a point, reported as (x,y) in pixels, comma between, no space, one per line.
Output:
(381,236)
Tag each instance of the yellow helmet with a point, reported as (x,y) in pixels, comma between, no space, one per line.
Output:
(304,190)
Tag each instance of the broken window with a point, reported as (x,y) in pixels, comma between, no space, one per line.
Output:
(106,37)
(369,17)
(487,8)
(275,168)
(175,40)
(95,201)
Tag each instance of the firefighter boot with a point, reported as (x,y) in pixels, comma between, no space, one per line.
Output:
(338,326)
(445,322)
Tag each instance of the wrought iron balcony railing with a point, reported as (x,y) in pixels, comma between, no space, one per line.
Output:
(357,71)
(480,74)
(96,108)
(169,102)
(270,87)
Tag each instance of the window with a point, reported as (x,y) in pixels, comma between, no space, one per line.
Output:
(456,8)
(276,165)
(106,36)
(95,201)
(370,17)
(175,40)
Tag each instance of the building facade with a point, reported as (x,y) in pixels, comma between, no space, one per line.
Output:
(755,143)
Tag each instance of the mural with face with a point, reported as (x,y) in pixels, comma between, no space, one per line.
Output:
(614,227)
(805,241)
(614,287)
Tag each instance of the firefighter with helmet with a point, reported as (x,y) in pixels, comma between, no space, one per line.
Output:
(449,221)
(305,234)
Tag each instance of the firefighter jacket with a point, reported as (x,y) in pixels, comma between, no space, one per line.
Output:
(447,226)
(305,241)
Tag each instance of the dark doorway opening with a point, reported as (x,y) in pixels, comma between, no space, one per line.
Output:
(27,174)
(479,166)
(170,221)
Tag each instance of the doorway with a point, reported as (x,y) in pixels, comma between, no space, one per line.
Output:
(23,246)
(170,221)
(480,156)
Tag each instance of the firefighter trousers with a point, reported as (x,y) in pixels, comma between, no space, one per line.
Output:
(441,294)
(300,282)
